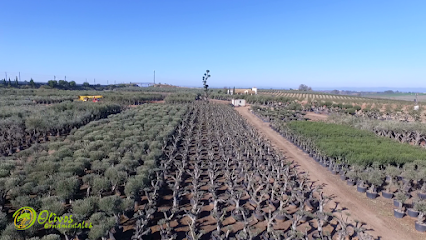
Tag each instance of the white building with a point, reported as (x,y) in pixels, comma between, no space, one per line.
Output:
(240,91)
(238,102)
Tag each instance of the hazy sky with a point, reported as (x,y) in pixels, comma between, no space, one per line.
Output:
(279,43)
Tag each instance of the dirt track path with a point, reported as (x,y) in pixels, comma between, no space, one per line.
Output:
(316,116)
(378,214)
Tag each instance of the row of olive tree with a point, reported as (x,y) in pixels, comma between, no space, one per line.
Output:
(86,174)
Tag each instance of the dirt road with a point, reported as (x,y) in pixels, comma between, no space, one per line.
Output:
(377,214)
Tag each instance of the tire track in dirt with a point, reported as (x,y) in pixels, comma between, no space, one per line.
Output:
(377,214)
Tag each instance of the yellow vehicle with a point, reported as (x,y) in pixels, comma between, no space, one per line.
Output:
(86,98)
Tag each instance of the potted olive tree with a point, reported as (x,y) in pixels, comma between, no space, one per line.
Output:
(414,210)
(392,172)
(376,180)
(420,224)
(352,178)
(343,172)
(363,178)
(400,197)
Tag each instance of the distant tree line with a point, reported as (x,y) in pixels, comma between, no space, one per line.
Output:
(56,84)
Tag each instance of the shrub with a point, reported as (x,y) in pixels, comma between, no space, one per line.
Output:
(85,207)
(67,188)
(53,204)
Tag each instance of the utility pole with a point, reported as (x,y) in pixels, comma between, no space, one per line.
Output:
(54,78)
(65,78)
(5,74)
(19,76)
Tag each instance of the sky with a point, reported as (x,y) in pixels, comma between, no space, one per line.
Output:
(244,43)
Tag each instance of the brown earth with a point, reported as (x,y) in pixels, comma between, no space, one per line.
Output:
(377,214)
(316,117)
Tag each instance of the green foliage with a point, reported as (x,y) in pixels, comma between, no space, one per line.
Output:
(181,98)
(357,107)
(328,104)
(101,184)
(53,204)
(115,176)
(393,171)
(10,233)
(350,111)
(25,200)
(112,205)
(133,186)
(375,177)
(101,225)
(353,145)
(85,207)
(401,197)
(67,188)
(52,83)
(420,206)
(103,154)
(352,175)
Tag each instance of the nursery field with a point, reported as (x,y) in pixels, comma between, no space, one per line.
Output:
(400,96)
(370,155)
(33,116)
(302,95)
(96,174)
(374,108)
(376,214)
(191,169)
(168,171)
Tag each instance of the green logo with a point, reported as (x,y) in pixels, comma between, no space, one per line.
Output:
(25,217)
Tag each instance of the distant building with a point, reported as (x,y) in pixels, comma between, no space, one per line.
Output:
(238,102)
(252,91)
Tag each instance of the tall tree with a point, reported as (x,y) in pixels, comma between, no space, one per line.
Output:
(32,83)
(52,83)
(206,87)
(303,87)
(72,84)
(63,83)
